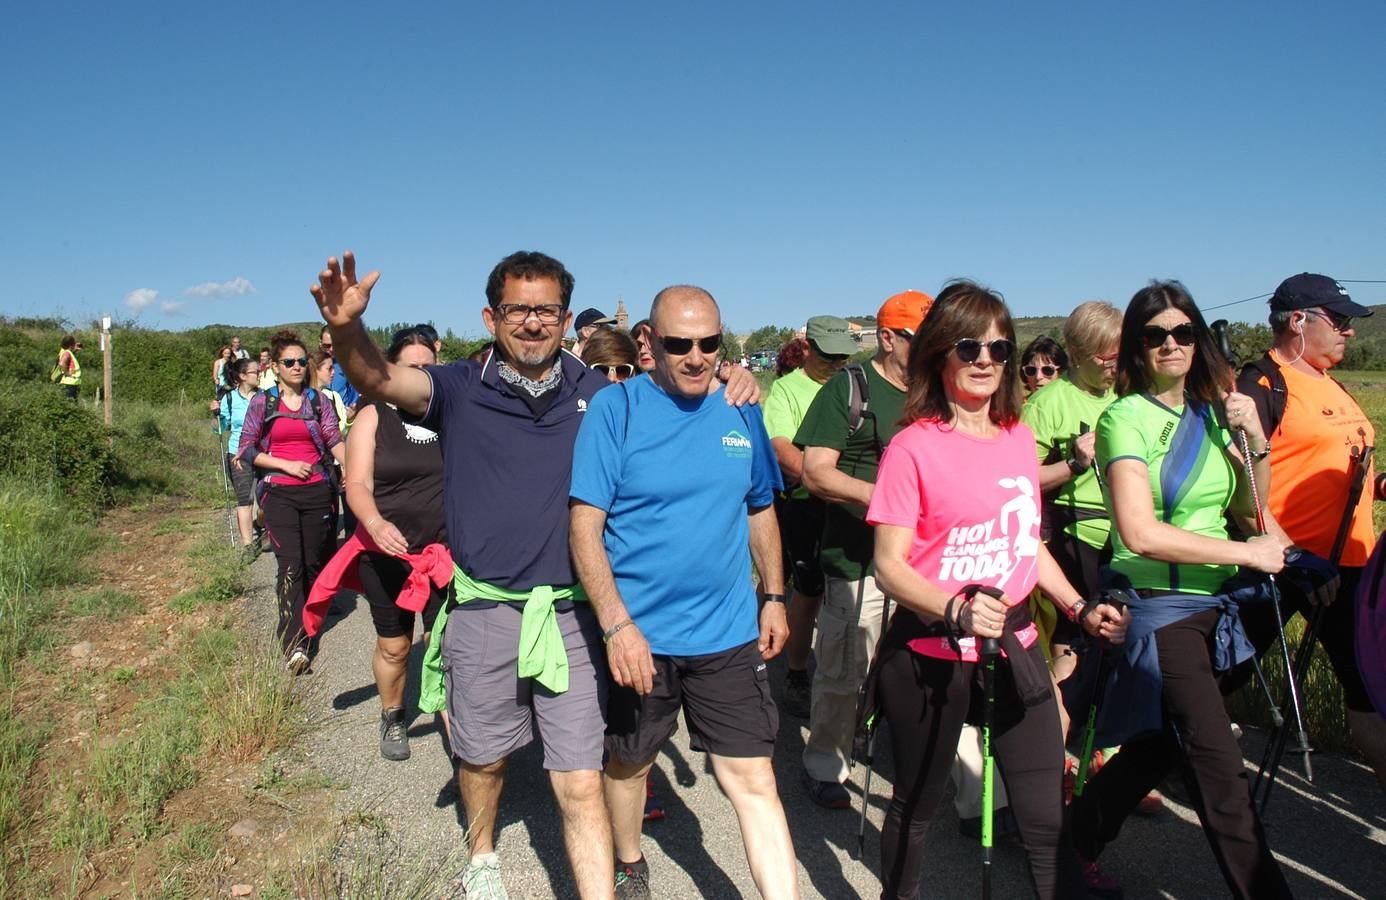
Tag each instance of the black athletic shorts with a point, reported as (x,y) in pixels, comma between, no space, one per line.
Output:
(725,697)
(801,533)
(382,577)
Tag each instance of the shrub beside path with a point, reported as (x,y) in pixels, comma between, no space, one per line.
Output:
(1330,836)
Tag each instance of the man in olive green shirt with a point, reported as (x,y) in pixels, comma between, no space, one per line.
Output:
(830,343)
(840,467)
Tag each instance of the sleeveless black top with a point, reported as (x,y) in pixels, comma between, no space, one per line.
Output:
(409,478)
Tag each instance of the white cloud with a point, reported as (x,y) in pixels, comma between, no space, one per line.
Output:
(171,307)
(139,298)
(236,287)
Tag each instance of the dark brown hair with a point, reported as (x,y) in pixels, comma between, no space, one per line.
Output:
(610,347)
(963,309)
(1204,382)
(282,340)
(528,265)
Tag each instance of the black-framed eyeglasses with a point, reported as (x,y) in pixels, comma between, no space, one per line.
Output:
(1338,323)
(905,333)
(682,346)
(969,350)
(519,313)
(294,362)
(1154,336)
(622,370)
(1046,371)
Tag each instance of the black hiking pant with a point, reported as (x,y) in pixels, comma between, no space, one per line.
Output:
(301,522)
(1196,726)
(925,701)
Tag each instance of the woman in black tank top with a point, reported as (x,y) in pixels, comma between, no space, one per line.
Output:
(394,485)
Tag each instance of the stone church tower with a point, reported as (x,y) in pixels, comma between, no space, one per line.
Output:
(622,319)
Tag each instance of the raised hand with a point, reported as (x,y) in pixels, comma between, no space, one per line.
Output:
(341,298)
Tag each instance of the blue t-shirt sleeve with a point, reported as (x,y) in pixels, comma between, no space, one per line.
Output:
(765,468)
(598,452)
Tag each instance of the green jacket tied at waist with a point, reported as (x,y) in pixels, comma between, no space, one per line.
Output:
(542,654)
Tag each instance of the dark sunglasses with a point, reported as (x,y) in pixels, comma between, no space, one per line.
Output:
(682,346)
(622,370)
(1032,371)
(1338,323)
(292,363)
(1154,336)
(969,350)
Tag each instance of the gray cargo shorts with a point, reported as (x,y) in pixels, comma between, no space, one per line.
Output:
(493,711)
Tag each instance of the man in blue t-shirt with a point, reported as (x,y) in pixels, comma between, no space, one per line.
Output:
(339,384)
(672,495)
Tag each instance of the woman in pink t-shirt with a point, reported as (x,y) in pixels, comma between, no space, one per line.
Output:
(291,437)
(956,503)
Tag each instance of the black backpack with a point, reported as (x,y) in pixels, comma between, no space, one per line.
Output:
(859,404)
(1249,383)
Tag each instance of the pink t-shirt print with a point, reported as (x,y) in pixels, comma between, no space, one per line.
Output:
(974,506)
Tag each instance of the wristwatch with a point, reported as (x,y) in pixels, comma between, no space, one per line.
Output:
(774,598)
(1074,466)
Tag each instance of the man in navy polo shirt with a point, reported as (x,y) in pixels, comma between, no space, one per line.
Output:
(507,427)
(672,496)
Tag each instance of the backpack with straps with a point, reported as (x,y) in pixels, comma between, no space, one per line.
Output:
(1250,378)
(312,404)
(859,405)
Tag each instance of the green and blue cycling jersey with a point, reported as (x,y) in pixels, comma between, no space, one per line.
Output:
(1192,482)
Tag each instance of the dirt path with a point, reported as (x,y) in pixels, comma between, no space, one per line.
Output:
(1331,837)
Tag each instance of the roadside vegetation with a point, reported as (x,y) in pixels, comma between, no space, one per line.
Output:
(126,672)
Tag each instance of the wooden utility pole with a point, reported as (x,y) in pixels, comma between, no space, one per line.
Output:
(106,365)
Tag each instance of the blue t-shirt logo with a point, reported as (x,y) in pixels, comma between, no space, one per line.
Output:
(736,445)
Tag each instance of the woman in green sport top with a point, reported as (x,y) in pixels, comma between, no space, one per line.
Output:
(1170,474)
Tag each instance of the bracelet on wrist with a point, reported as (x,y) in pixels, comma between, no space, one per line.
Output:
(611,632)
(775,598)
(1258,455)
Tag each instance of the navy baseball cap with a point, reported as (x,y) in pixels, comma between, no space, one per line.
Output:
(1307,290)
(592,316)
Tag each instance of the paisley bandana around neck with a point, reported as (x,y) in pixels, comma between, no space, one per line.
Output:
(529,385)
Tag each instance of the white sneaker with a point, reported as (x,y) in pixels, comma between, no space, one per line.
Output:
(482,879)
(298,662)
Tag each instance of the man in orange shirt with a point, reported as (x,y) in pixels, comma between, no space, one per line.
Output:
(1316,428)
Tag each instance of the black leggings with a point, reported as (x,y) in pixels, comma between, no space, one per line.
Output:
(925,701)
(1196,719)
(302,525)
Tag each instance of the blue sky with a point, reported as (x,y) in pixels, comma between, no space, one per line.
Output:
(200,161)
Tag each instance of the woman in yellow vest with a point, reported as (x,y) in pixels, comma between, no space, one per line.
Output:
(71,369)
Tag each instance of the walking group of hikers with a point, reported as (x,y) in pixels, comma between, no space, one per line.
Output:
(580,533)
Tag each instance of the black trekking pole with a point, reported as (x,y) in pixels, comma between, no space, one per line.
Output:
(1099,693)
(869,757)
(1304,654)
(991,649)
(1302,738)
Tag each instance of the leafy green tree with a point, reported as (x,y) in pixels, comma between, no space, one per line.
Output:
(767,337)
(731,345)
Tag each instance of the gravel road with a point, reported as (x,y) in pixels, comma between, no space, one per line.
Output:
(1330,836)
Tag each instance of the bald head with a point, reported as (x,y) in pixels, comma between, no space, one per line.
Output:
(680,302)
(685,319)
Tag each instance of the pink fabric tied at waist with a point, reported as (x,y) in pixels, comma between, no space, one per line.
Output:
(430,567)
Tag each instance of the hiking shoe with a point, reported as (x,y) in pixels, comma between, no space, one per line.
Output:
(798,693)
(394,734)
(1151,804)
(633,880)
(827,794)
(482,879)
(1098,882)
(654,810)
(298,661)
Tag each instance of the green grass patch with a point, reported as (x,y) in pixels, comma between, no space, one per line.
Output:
(224,579)
(105,602)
